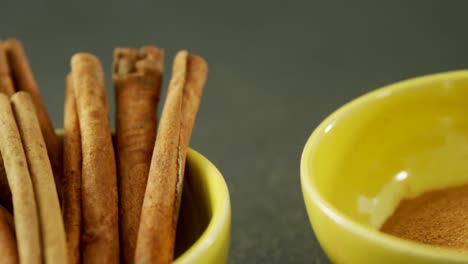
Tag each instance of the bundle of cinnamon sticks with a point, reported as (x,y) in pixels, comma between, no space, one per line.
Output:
(83,202)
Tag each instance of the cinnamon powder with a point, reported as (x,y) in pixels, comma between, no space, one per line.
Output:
(438,218)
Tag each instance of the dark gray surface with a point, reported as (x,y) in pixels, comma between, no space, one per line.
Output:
(276,70)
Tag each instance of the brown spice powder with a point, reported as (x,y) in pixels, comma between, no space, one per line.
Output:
(438,218)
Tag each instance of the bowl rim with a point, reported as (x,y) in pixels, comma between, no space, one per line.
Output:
(386,241)
(220,217)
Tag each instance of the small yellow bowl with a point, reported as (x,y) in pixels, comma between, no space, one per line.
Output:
(396,142)
(204,224)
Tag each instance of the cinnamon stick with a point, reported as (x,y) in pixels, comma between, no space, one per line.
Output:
(72,175)
(137,79)
(6,87)
(19,180)
(100,240)
(6,83)
(50,216)
(156,234)
(24,81)
(7,238)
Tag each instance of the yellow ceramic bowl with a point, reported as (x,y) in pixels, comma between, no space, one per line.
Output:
(203,231)
(393,143)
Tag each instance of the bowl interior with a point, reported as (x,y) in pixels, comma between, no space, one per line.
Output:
(394,143)
(195,211)
(203,227)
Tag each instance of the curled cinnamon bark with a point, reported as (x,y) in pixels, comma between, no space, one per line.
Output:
(47,201)
(24,81)
(6,87)
(156,234)
(6,83)
(72,175)
(137,79)
(19,180)
(100,239)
